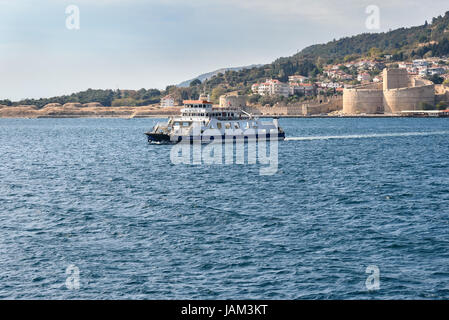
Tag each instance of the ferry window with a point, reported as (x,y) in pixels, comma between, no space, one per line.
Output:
(219,125)
(186,124)
(202,114)
(236,125)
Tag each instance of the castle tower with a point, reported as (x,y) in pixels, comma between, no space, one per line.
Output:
(395,78)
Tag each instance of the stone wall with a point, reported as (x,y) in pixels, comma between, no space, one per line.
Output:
(395,78)
(331,105)
(413,98)
(357,101)
(398,93)
(442,93)
(232,101)
(327,105)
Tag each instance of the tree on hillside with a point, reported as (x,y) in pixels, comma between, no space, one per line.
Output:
(216,93)
(436,79)
(375,53)
(195,82)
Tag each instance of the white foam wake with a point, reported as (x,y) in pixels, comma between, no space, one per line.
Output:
(365,136)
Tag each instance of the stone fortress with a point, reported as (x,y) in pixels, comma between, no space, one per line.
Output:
(398,92)
(232,100)
(319,105)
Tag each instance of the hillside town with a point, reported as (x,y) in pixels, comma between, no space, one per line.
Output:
(360,87)
(344,89)
(335,78)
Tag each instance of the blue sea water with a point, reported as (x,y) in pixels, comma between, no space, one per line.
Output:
(93,193)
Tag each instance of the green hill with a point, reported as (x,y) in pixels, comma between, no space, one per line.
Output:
(405,41)
(427,40)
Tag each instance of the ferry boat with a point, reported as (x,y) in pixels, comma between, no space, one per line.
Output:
(200,121)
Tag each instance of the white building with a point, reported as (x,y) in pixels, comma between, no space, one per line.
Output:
(420,63)
(306,89)
(297,78)
(271,87)
(436,70)
(333,85)
(278,88)
(255,88)
(364,77)
(167,101)
(422,71)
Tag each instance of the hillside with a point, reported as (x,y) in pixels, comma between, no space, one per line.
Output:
(400,41)
(403,44)
(206,76)
(427,40)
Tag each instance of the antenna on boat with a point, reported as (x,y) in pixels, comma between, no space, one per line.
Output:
(251,116)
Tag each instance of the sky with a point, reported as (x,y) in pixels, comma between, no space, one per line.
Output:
(133,44)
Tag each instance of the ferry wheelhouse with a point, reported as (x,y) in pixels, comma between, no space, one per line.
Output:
(200,121)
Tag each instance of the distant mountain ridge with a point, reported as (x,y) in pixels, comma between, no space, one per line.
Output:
(206,76)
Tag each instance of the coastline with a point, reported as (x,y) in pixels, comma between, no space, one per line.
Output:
(32,112)
(159,116)
(59,112)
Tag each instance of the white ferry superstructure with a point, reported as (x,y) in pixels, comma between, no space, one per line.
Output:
(200,121)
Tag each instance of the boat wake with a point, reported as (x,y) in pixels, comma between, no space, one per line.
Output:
(366,136)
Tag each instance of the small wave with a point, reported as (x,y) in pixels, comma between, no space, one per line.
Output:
(365,136)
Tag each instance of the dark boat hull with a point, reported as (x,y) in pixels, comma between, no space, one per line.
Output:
(157,137)
(165,138)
